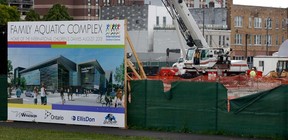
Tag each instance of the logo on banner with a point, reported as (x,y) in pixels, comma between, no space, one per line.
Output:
(49,115)
(113,32)
(110,119)
(83,119)
(25,114)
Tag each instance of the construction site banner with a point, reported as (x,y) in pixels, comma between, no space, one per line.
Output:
(63,72)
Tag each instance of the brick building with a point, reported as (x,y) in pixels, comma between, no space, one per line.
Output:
(257,30)
(23,6)
(82,9)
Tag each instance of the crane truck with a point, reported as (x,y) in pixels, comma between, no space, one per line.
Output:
(199,57)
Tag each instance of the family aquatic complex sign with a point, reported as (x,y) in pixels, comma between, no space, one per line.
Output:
(68,32)
(42,49)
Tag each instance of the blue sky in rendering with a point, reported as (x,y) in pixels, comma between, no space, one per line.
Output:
(109,58)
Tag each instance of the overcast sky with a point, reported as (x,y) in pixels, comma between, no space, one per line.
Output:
(266,3)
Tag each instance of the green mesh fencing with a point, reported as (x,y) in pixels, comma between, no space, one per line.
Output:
(3,98)
(264,113)
(199,106)
(187,106)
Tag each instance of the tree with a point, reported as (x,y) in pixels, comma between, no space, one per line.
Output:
(58,12)
(109,83)
(3,2)
(8,13)
(119,74)
(32,15)
(9,67)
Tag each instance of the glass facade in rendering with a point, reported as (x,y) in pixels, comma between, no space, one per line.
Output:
(92,77)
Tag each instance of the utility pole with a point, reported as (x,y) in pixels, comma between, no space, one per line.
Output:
(246,48)
(268,22)
(203,8)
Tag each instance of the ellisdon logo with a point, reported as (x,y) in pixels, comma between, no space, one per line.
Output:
(25,114)
(110,119)
(49,115)
(83,119)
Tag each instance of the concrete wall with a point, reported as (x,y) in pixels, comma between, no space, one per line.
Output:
(140,41)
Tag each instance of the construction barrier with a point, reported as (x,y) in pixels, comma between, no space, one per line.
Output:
(264,114)
(202,106)
(187,106)
(3,98)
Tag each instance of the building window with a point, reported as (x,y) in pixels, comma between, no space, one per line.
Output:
(257,39)
(206,38)
(238,39)
(107,2)
(283,23)
(238,20)
(157,21)
(269,37)
(238,57)
(277,23)
(270,40)
(250,59)
(250,22)
(277,41)
(268,23)
(220,40)
(223,43)
(261,63)
(249,39)
(283,39)
(89,11)
(120,1)
(210,41)
(164,21)
(257,22)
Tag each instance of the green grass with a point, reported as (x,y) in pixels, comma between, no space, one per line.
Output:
(9,133)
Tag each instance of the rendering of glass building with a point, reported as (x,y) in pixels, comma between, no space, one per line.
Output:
(61,72)
(92,76)
(54,74)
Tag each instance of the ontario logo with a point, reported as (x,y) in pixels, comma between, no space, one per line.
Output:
(49,115)
(110,119)
(83,119)
(25,114)
(113,32)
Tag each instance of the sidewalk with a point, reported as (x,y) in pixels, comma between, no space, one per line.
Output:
(118,131)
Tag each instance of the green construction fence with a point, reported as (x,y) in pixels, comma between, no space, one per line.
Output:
(202,107)
(3,97)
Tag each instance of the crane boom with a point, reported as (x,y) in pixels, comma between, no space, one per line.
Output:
(187,25)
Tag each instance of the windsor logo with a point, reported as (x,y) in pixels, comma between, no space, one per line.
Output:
(25,114)
(113,32)
(49,115)
(110,119)
(83,119)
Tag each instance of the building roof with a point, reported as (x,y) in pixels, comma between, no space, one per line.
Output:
(68,64)
(94,63)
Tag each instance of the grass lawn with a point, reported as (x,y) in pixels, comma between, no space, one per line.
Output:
(9,133)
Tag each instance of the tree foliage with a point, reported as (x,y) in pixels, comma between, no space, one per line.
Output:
(8,13)
(119,74)
(32,15)
(3,2)
(58,12)
(110,83)
(9,67)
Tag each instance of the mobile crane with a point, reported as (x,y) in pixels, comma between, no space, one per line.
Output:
(199,57)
